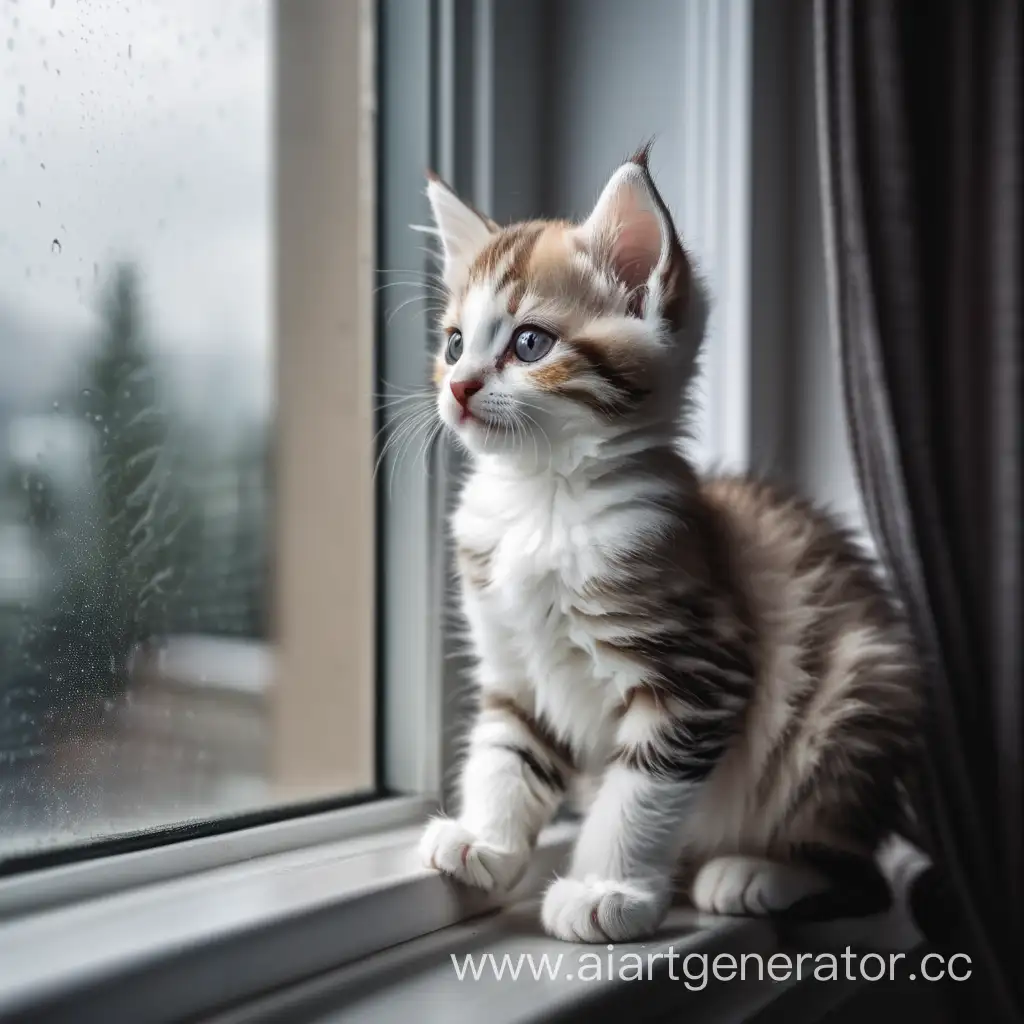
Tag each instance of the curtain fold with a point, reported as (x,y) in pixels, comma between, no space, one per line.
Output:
(920,130)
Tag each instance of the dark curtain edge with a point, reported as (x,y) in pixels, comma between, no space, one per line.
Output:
(848,281)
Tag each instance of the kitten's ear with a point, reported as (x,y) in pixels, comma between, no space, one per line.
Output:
(463,231)
(632,232)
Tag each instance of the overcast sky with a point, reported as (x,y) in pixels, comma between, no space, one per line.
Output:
(137,130)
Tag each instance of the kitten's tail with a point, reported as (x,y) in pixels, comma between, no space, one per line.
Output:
(916,880)
(890,902)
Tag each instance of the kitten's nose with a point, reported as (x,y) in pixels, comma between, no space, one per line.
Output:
(464,390)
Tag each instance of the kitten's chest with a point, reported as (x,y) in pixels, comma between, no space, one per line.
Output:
(525,619)
(538,553)
(536,546)
(540,549)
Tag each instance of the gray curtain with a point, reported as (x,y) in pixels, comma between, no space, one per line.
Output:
(920,111)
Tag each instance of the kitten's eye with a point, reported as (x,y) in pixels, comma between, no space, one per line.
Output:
(453,353)
(531,344)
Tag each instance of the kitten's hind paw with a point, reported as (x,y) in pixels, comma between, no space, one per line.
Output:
(752,886)
(452,849)
(594,910)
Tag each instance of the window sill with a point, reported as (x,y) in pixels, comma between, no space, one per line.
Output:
(418,981)
(354,924)
(182,947)
(33,890)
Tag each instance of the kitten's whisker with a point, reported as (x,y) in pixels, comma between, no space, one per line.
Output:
(415,424)
(533,435)
(421,454)
(404,428)
(408,302)
(427,280)
(394,428)
(401,449)
(429,274)
(421,388)
(397,284)
(401,406)
(540,430)
(389,445)
(404,401)
(426,429)
(428,444)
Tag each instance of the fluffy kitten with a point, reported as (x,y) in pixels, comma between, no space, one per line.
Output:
(721,656)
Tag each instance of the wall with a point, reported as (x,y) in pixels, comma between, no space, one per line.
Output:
(615,83)
(613,76)
(820,458)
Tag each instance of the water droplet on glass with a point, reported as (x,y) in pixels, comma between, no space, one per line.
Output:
(86,393)
(42,166)
(21,108)
(10,44)
(56,405)
(129,51)
(56,247)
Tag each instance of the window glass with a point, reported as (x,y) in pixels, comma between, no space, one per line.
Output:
(136,416)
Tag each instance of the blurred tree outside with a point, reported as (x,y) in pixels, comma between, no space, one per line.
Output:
(226,589)
(169,536)
(117,566)
(140,513)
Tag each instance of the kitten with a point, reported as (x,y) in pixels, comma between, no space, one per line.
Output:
(720,655)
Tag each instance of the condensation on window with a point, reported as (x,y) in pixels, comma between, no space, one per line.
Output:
(136,414)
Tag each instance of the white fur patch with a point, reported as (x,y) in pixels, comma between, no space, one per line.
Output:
(449,847)
(597,910)
(752,886)
(462,231)
(640,724)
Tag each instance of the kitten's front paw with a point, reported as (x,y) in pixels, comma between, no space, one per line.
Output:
(448,847)
(601,911)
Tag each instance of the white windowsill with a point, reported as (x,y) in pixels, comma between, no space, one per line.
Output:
(33,891)
(356,922)
(175,948)
(418,982)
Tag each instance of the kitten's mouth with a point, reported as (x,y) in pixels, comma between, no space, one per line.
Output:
(466,418)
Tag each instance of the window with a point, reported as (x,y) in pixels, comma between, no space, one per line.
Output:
(213,616)
(186,535)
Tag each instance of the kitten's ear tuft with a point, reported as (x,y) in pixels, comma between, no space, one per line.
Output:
(463,231)
(642,156)
(631,231)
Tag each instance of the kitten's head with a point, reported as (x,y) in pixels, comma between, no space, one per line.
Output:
(558,336)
